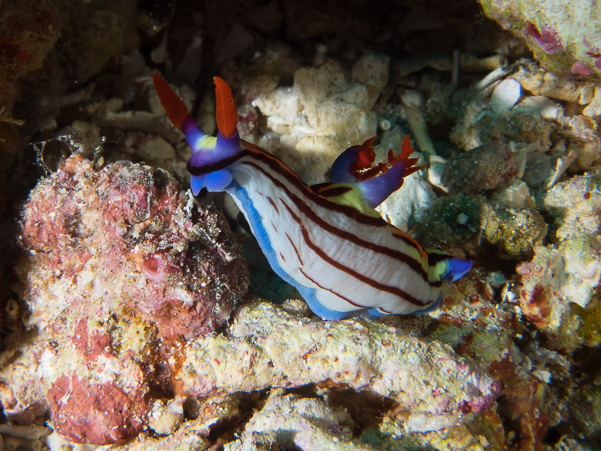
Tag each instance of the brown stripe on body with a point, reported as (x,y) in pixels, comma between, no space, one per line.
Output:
(295,250)
(400,235)
(274,227)
(282,257)
(280,168)
(343,234)
(366,280)
(350,237)
(277,166)
(435,258)
(334,293)
(332,191)
(217,166)
(273,205)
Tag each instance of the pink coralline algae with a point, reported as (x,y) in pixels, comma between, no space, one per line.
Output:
(111,416)
(596,54)
(560,33)
(546,38)
(579,68)
(123,235)
(122,270)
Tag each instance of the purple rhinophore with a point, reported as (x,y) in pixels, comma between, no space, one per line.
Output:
(378,189)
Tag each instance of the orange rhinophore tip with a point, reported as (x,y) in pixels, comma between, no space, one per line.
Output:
(406,149)
(227,117)
(174,106)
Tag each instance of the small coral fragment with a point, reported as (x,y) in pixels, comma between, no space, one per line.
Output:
(577,205)
(290,422)
(570,271)
(515,231)
(483,168)
(480,125)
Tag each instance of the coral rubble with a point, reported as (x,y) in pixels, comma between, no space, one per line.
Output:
(311,115)
(483,168)
(282,349)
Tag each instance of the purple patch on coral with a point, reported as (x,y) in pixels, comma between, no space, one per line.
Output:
(100,414)
(546,38)
(594,52)
(580,69)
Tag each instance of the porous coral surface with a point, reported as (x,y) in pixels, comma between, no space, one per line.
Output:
(310,115)
(126,235)
(283,349)
(121,268)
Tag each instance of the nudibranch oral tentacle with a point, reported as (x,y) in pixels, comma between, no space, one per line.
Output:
(326,240)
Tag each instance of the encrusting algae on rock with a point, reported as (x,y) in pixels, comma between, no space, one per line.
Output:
(122,268)
(86,228)
(283,348)
(563,37)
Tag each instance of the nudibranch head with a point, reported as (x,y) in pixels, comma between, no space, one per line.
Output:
(374,182)
(210,155)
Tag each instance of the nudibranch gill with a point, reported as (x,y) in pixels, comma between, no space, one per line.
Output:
(326,240)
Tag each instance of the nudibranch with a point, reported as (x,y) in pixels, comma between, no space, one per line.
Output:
(327,240)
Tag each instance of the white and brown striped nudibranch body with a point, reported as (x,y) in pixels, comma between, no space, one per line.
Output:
(328,242)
